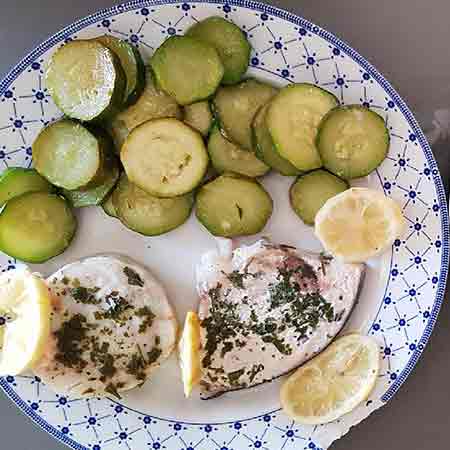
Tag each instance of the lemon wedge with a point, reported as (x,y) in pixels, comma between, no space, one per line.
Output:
(333,383)
(25,308)
(189,349)
(358,224)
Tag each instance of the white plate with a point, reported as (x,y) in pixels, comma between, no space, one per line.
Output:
(402,293)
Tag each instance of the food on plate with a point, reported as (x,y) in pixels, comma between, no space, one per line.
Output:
(352,141)
(188,69)
(165,157)
(228,157)
(36,226)
(25,308)
(264,148)
(153,103)
(69,155)
(108,206)
(189,353)
(358,224)
(86,80)
(236,106)
(147,214)
(233,206)
(199,116)
(293,118)
(333,383)
(310,192)
(15,181)
(266,309)
(112,326)
(95,195)
(229,41)
(131,63)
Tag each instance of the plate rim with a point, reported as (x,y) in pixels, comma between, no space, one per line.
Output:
(329,37)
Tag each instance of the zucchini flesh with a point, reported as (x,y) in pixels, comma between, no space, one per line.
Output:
(108,206)
(264,148)
(86,80)
(233,206)
(132,65)
(228,157)
(229,41)
(146,214)
(352,141)
(293,118)
(165,157)
(199,116)
(152,104)
(67,154)
(16,181)
(187,69)
(311,191)
(36,226)
(95,195)
(236,106)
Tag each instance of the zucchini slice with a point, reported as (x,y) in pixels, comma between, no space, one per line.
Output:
(132,65)
(236,106)
(228,157)
(80,198)
(233,206)
(152,104)
(36,226)
(264,148)
(310,192)
(165,157)
(229,41)
(16,181)
(146,214)
(187,69)
(108,206)
(86,80)
(352,141)
(69,155)
(293,118)
(199,116)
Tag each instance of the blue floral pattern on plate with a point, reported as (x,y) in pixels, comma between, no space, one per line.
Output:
(286,48)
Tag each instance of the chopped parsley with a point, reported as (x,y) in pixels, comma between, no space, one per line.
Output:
(233,377)
(147,318)
(154,355)
(85,295)
(133,277)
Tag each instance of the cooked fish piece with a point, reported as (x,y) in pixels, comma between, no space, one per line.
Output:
(112,325)
(266,309)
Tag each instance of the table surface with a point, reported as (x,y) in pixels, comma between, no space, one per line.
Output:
(409,43)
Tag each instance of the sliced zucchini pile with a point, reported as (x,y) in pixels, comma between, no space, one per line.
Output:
(199,116)
(188,69)
(228,157)
(232,206)
(352,141)
(293,118)
(236,106)
(147,214)
(310,192)
(86,80)
(165,157)
(152,104)
(229,41)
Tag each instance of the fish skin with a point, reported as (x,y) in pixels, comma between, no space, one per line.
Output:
(339,280)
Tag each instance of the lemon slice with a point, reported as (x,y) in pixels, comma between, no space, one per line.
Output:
(189,349)
(333,383)
(25,309)
(358,224)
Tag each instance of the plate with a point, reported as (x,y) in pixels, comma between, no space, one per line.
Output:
(402,293)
